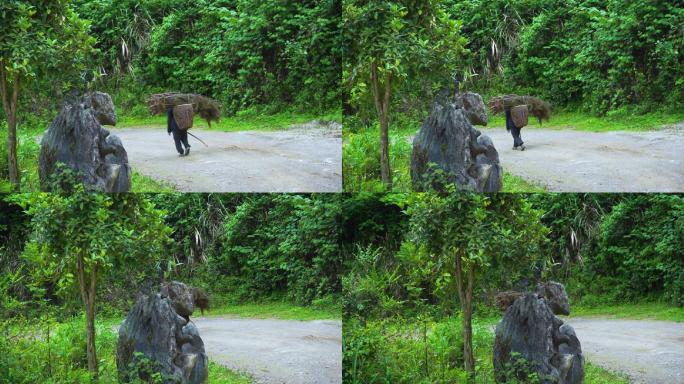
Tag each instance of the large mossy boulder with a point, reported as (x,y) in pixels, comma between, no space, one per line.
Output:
(449,150)
(158,336)
(77,149)
(530,339)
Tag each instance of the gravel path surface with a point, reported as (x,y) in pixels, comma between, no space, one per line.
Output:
(276,351)
(301,159)
(578,161)
(647,351)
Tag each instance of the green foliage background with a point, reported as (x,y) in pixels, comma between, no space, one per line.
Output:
(241,248)
(401,312)
(597,55)
(242,53)
(260,246)
(275,55)
(255,58)
(603,65)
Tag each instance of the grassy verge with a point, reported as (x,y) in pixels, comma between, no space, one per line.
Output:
(593,374)
(640,311)
(427,351)
(615,121)
(248,120)
(145,184)
(28,150)
(361,168)
(218,374)
(516,184)
(27,355)
(361,161)
(27,157)
(277,310)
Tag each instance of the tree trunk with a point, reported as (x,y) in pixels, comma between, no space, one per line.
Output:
(468,356)
(465,296)
(382,104)
(90,315)
(88,295)
(9,104)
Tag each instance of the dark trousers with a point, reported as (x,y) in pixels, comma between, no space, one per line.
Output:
(515,131)
(180,137)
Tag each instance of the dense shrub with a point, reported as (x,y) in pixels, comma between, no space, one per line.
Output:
(242,53)
(640,248)
(614,248)
(236,246)
(574,220)
(282,244)
(419,350)
(602,55)
(27,154)
(29,355)
(361,165)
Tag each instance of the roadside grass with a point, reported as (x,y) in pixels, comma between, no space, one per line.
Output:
(247,120)
(428,351)
(5,186)
(61,358)
(28,150)
(27,157)
(218,374)
(125,121)
(516,184)
(594,374)
(277,310)
(253,119)
(638,311)
(144,184)
(361,161)
(614,121)
(361,164)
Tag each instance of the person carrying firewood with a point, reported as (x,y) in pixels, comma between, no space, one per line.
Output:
(180,137)
(518,143)
(516,109)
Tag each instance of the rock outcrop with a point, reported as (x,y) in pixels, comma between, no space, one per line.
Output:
(530,338)
(449,150)
(158,336)
(77,140)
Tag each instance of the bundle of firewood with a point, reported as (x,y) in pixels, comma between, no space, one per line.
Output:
(537,107)
(207,108)
(183,114)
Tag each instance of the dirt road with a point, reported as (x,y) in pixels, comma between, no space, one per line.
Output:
(301,159)
(276,351)
(577,161)
(647,351)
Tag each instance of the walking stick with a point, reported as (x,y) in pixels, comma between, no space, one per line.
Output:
(200,140)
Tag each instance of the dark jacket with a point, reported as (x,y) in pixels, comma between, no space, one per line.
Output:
(509,121)
(170,121)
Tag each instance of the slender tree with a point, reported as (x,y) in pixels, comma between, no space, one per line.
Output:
(472,232)
(38,39)
(389,41)
(84,234)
